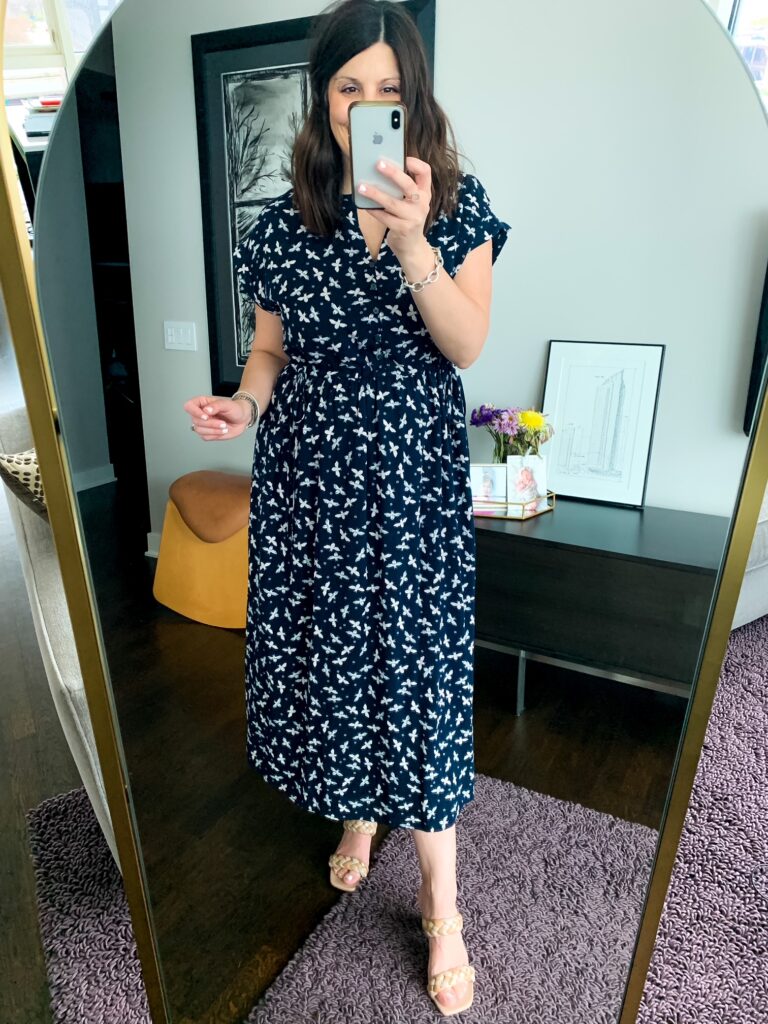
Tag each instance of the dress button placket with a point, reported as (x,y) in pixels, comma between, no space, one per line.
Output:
(367,374)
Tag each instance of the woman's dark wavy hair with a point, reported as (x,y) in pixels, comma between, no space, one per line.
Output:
(342,30)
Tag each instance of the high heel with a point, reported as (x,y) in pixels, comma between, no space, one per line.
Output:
(445,979)
(349,863)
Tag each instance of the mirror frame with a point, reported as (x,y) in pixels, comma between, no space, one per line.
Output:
(17,281)
(754,479)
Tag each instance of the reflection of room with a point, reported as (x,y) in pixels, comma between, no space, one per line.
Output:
(589,620)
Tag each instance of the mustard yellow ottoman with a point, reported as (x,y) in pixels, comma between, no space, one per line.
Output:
(202,565)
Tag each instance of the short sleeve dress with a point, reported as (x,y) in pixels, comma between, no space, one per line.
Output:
(361,586)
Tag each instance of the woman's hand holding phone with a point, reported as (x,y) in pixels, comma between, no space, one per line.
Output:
(404,217)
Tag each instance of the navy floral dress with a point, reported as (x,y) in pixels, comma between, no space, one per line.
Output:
(360,620)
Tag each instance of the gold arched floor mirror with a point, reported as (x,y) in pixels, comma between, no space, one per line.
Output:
(630,170)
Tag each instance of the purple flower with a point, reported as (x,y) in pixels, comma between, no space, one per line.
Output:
(480,417)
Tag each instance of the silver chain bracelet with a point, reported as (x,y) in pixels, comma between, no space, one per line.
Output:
(416,286)
(255,411)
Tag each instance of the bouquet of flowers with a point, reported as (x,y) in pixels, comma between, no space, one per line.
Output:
(515,431)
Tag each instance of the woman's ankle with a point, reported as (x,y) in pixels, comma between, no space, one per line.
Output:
(438,900)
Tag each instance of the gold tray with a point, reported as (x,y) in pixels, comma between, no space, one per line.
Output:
(484,509)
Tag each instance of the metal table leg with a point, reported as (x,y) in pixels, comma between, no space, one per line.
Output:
(520,699)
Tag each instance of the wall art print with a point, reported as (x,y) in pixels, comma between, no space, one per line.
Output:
(602,397)
(264,110)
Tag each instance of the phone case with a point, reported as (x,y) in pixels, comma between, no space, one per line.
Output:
(372,136)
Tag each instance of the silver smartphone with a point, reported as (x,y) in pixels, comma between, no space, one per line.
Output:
(376,129)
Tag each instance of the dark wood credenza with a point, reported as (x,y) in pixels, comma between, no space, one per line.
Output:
(612,591)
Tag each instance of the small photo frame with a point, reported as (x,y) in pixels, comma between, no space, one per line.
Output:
(527,480)
(488,481)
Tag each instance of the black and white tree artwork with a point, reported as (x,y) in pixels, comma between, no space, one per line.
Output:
(263,111)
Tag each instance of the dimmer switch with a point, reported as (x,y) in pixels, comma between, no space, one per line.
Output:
(180,335)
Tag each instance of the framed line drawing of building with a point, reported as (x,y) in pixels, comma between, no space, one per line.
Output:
(602,398)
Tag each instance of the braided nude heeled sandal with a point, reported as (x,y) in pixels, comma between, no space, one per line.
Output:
(339,861)
(445,979)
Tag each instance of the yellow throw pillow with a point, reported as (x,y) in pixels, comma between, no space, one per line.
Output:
(21,475)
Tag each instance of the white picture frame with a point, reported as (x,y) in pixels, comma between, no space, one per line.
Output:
(601,397)
(488,481)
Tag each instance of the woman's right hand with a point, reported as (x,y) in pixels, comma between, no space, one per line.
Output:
(218,419)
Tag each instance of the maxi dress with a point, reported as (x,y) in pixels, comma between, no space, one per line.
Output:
(361,582)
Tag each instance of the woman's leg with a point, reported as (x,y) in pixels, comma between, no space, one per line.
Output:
(437,898)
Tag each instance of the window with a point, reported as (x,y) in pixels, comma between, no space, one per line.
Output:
(747,21)
(749,25)
(85,18)
(26,25)
(45,40)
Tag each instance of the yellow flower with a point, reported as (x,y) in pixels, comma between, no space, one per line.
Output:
(531,419)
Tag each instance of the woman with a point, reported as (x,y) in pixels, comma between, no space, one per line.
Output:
(360,626)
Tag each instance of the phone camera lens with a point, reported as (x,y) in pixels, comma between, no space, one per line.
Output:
(395,118)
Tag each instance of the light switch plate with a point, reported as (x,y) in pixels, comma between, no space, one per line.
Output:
(180,335)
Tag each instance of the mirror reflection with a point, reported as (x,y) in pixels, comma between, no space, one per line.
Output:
(355,707)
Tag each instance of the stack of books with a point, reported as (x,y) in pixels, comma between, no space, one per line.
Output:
(40,115)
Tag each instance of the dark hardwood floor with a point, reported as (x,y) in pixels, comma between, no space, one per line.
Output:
(237,874)
(35,764)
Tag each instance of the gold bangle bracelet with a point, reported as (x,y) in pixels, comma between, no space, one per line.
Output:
(255,411)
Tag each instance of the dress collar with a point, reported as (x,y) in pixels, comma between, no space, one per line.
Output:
(350,213)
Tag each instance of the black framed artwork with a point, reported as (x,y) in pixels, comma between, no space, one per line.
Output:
(251,97)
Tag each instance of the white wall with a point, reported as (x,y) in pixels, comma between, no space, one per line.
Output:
(630,159)
(11,393)
(622,139)
(64,278)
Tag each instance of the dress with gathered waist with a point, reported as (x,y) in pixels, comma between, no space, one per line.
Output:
(361,590)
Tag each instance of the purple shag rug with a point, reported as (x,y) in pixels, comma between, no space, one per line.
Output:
(94,972)
(710,960)
(551,893)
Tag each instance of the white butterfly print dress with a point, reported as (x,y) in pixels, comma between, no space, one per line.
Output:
(361,590)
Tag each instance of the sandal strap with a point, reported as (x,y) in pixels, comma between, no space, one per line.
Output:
(444,979)
(344,860)
(442,925)
(368,828)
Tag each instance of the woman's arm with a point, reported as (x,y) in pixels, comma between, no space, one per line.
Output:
(265,360)
(221,419)
(455,310)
